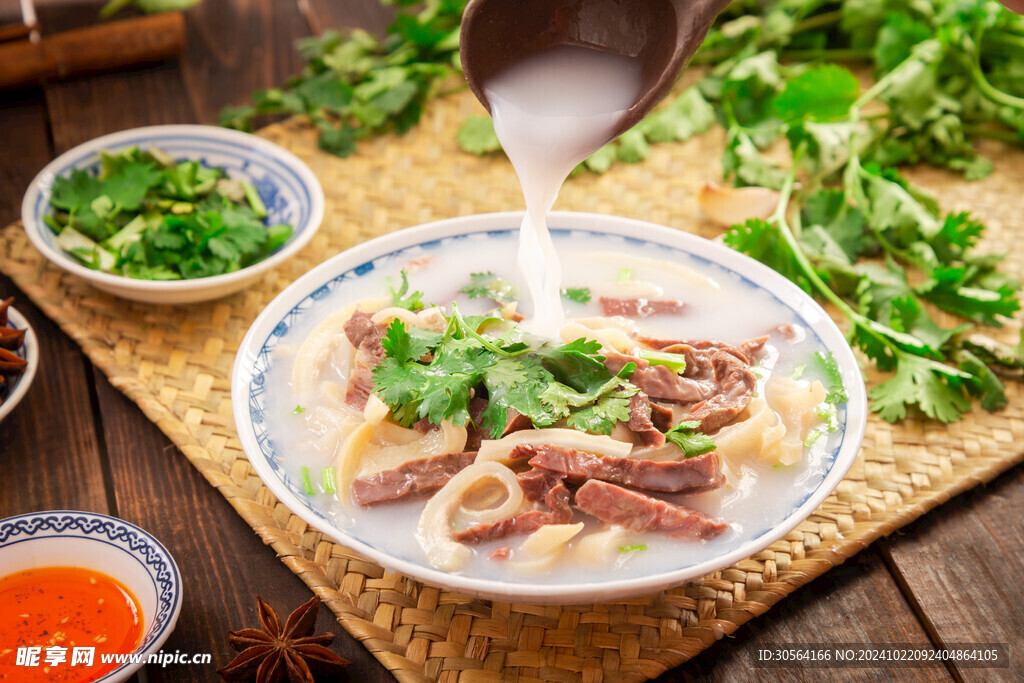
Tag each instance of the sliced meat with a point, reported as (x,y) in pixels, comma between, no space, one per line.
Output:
(615,505)
(547,487)
(692,475)
(753,347)
(640,422)
(661,416)
(360,326)
(365,336)
(475,429)
(737,384)
(523,523)
(516,422)
(637,307)
(414,478)
(660,381)
(544,488)
(717,382)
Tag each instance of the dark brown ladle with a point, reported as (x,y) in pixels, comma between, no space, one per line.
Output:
(661,34)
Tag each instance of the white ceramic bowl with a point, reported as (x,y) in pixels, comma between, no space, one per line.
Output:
(289,189)
(320,291)
(29,351)
(69,538)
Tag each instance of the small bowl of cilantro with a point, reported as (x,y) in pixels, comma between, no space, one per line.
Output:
(173,214)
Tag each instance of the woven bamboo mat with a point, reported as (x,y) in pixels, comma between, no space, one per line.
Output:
(176,364)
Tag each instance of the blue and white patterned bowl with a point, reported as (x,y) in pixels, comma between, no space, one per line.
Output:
(287,186)
(17,386)
(351,276)
(69,538)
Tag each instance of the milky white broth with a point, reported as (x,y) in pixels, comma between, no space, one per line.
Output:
(551,111)
(720,305)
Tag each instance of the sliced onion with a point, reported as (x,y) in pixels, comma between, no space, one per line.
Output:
(729,206)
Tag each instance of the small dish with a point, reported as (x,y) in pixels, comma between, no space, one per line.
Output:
(287,186)
(359,272)
(30,352)
(69,538)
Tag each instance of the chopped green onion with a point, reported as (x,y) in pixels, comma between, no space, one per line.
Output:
(327,480)
(253,197)
(625,275)
(307,483)
(673,361)
(798,372)
(632,548)
(580,295)
(298,410)
(812,437)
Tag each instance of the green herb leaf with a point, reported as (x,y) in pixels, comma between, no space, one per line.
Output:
(836,391)
(692,442)
(822,93)
(401,298)
(477,136)
(580,295)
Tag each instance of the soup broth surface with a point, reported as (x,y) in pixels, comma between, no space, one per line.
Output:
(720,305)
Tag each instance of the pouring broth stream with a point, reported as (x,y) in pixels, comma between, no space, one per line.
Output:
(551,111)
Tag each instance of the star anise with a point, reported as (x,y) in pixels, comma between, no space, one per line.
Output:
(273,653)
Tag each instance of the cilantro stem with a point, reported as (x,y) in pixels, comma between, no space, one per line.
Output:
(973,58)
(486,343)
(808,269)
(841,54)
(817,21)
(1000,135)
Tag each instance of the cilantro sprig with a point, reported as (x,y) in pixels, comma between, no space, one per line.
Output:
(147,216)
(487,285)
(434,375)
(692,442)
(356,85)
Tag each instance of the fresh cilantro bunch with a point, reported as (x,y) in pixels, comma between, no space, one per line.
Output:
(433,375)
(147,216)
(355,86)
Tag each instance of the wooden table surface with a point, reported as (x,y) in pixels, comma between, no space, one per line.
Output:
(957,575)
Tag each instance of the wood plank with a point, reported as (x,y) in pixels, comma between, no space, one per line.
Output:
(236,48)
(964,565)
(48,443)
(347,14)
(49,440)
(86,108)
(224,564)
(232,51)
(26,148)
(856,602)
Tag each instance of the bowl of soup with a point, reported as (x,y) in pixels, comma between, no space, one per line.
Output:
(687,408)
(83,597)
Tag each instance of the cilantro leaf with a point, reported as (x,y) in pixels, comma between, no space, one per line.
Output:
(401,298)
(983,381)
(401,346)
(578,364)
(75,192)
(476,136)
(822,93)
(932,386)
(692,442)
(764,241)
(489,286)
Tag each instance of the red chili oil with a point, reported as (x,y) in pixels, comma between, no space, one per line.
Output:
(65,607)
